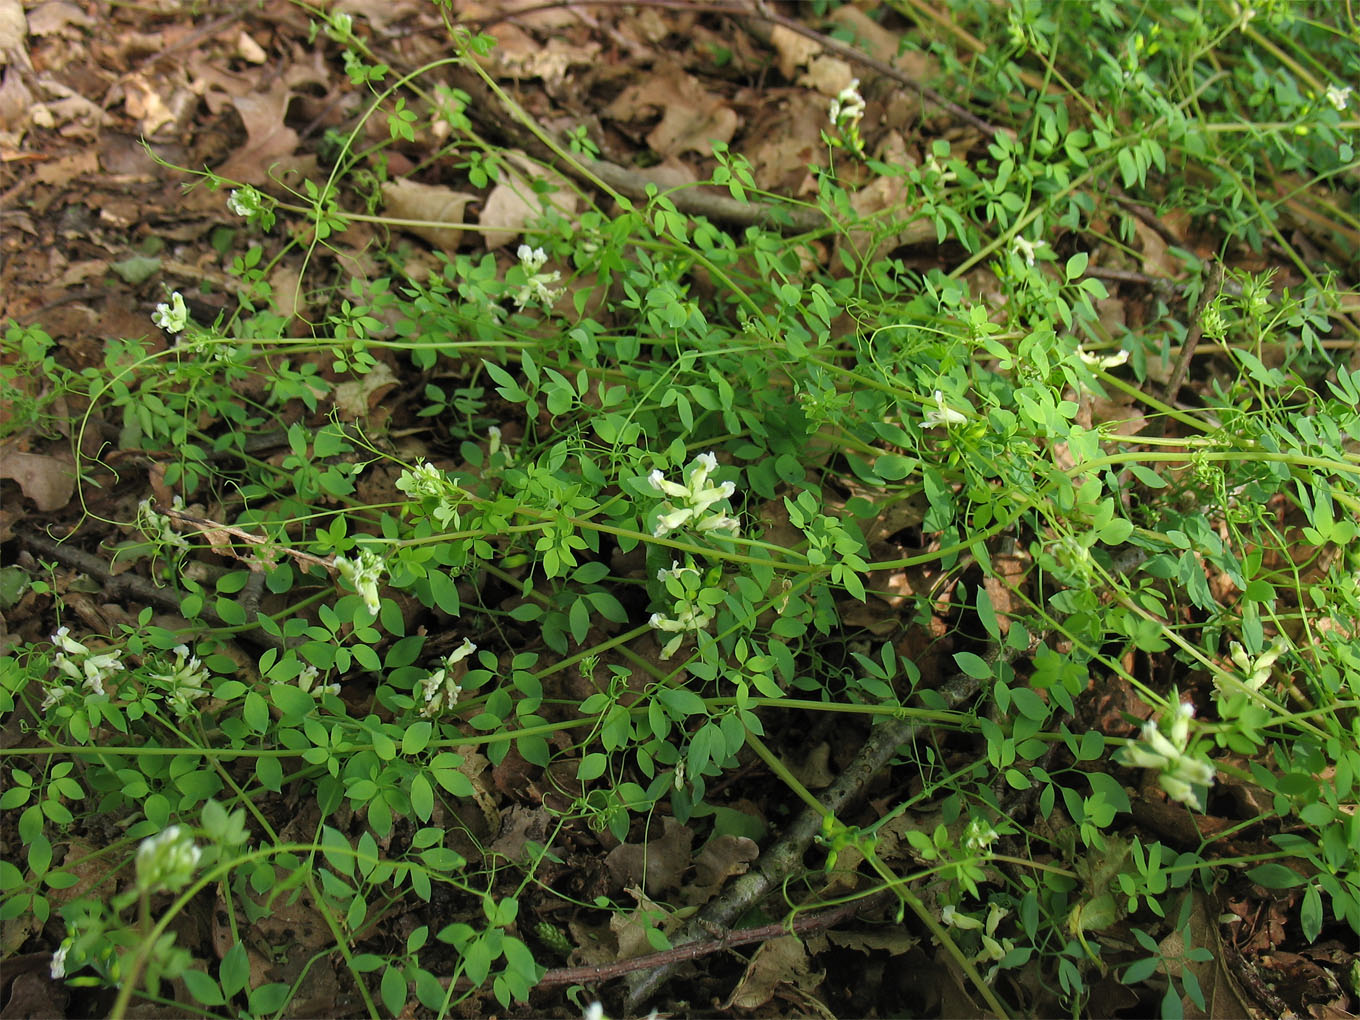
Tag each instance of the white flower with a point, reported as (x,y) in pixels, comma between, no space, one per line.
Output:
(1339,98)
(979,835)
(172,317)
(245,201)
(79,663)
(1026,249)
(58,969)
(341,26)
(531,259)
(1108,361)
(425,480)
(953,919)
(696,497)
(848,106)
(156,526)
(594,1011)
(167,861)
(439,690)
(942,414)
(1183,776)
(364,572)
(686,620)
(187,681)
(675,571)
(1258,671)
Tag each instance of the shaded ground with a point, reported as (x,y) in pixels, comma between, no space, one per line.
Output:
(98,227)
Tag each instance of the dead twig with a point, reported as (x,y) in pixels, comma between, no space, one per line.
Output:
(799,925)
(1211,289)
(785,857)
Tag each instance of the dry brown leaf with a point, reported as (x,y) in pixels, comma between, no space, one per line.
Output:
(828,75)
(49,481)
(794,50)
(15,100)
(54,16)
(513,202)
(814,771)
(721,858)
(13,33)
(893,940)
(660,863)
(631,929)
(1223,1000)
(268,139)
(524,823)
(427,205)
(780,960)
(692,118)
(354,399)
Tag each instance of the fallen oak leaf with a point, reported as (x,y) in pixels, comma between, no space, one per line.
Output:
(48,481)
(422,208)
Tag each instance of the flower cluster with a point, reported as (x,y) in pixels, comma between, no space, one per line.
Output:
(687,614)
(441,690)
(77,662)
(1026,249)
(167,861)
(172,317)
(186,680)
(691,504)
(251,205)
(538,286)
(846,111)
(993,949)
(1165,747)
(364,573)
(1257,671)
(425,480)
(428,482)
(1340,98)
(306,681)
(156,526)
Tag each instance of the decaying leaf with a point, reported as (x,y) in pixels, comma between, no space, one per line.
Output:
(49,481)
(513,202)
(425,206)
(660,863)
(720,859)
(268,139)
(779,960)
(354,399)
(692,118)
(794,50)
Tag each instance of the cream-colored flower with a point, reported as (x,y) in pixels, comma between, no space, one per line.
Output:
(942,414)
(172,317)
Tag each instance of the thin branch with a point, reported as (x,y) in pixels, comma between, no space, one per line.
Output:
(785,857)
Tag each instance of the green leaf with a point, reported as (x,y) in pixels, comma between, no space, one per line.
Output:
(255,711)
(1275,876)
(415,738)
(203,988)
(592,767)
(1117,531)
(1076,265)
(973,665)
(422,797)
(1310,913)
(393,991)
(235,969)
